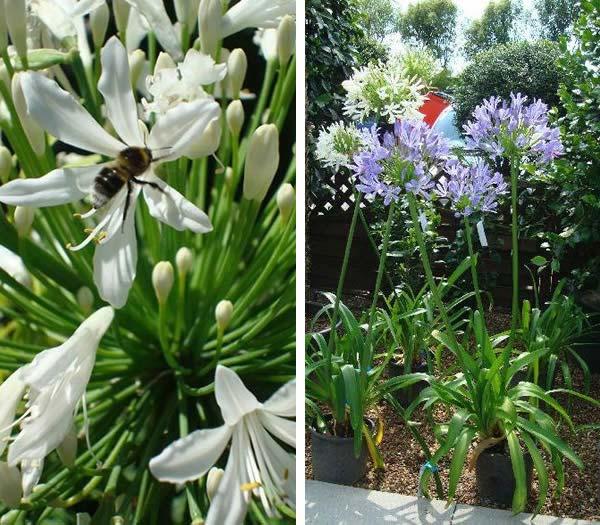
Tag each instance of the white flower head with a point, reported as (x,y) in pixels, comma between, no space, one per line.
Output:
(55,381)
(382,91)
(170,86)
(258,465)
(337,144)
(175,134)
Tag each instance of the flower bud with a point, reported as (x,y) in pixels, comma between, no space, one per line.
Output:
(5,164)
(286,198)
(286,39)
(137,60)
(164,61)
(99,19)
(208,142)
(210,15)
(10,485)
(85,299)
(223,314)
(186,11)
(24,220)
(35,134)
(235,117)
(237,65)
(121,13)
(184,259)
(16,22)
(262,161)
(213,480)
(162,280)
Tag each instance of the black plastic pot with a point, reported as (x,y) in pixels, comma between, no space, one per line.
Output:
(333,459)
(405,396)
(495,478)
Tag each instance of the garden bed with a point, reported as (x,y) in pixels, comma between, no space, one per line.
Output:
(404,457)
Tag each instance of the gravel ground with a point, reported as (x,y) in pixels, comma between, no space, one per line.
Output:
(403,457)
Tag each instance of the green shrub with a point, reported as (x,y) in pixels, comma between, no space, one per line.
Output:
(526,67)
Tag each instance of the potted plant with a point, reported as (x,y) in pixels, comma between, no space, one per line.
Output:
(343,384)
(504,423)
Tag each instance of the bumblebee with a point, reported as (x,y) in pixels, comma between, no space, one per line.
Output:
(125,170)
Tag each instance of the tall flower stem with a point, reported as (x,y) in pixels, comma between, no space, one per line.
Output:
(412,204)
(514,177)
(474,275)
(382,260)
(344,270)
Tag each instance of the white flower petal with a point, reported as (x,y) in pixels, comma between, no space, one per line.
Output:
(60,186)
(155,14)
(115,86)
(13,265)
(67,450)
(191,457)
(202,68)
(55,18)
(63,117)
(10,485)
(234,399)
(256,13)
(115,263)
(137,29)
(11,392)
(180,128)
(172,208)
(283,402)
(281,428)
(230,503)
(85,7)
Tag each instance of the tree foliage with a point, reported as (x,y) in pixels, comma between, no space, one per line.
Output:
(378,17)
(557,16)
(493,28)
(527,67)
(431,23)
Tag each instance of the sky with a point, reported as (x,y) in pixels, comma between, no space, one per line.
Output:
(468,10)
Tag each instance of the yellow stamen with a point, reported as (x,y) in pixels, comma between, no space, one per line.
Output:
(247,487)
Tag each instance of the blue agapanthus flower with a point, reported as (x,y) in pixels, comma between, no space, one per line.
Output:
(402,161)
(471,188)
(501,129)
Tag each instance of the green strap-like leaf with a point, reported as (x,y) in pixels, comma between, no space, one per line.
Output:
(518,466)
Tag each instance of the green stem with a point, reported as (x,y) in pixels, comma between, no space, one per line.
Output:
(427,267)
(474,275)
(514,177)
(382,260)
(340,286)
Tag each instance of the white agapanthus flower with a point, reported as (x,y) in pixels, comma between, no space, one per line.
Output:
(183,82)
(175,134)
(13,265)
(56,381)
(383,92)
(337,144)
(266,40)
(258,465)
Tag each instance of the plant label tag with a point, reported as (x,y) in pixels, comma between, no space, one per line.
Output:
(423,221)
(481,233)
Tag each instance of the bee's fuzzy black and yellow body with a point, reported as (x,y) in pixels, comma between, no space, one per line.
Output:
(130,164)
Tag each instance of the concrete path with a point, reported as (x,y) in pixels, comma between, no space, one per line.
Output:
(328,504)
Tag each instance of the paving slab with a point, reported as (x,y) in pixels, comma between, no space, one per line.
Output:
(329,504)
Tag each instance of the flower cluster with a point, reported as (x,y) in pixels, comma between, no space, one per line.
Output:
(337,144)
(383,92)
(503,129)
(471,188)
(402,161)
